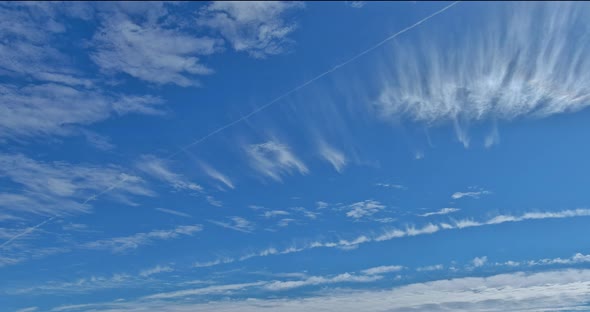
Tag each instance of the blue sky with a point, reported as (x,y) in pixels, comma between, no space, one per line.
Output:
(342,156)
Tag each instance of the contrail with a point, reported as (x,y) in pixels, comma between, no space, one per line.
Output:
(261,108)
(310,81)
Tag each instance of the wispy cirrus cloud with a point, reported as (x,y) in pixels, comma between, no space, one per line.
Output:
(156,270)
(335,157)
(516,65)
(236,223)
(473,194)
(274,159)
(125,243)
(216,175)
(59,188)
(383,269)
(442,211)
(173,212)
(159,169)
(554,290)
(409,231)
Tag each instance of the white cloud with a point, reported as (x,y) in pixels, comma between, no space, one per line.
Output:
(213,202)
(258,27)
(151,51)
(503,71)
(52,109)
(30,309)
(173,212)
(389,185)
(307,213)
(159,169)
(479,261)
(356,4)
(237,223)
(542,291)
(474,194)
(383,269)
(320,280)
(124,243)
(364,209)
(285,222)
(436,267)
(427,229)
(443,211)
(575,259)
(216,289)
(59,188)
(210,171)
(274,159)
(321,205)
(155,270)
(274,213)
(335,157)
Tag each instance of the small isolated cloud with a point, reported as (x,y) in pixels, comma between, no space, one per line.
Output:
(479,261)
(364,209)
(321,205)
(274,213)
(30,309)
(173,212)
(274,160)
(472,194)
(159,169)
(258,28)
(285,222)
(382,269)
(307,213)
(443,211)
(392,186)
(213,202)
(155,270)
(428,268)
(237,224)
(335,157)
(216,175)
(356,4)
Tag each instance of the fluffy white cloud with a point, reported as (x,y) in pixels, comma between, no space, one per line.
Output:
(258,27)
(479,261)
(364,209)
(150,52)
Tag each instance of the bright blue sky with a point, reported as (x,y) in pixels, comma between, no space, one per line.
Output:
(283,157)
